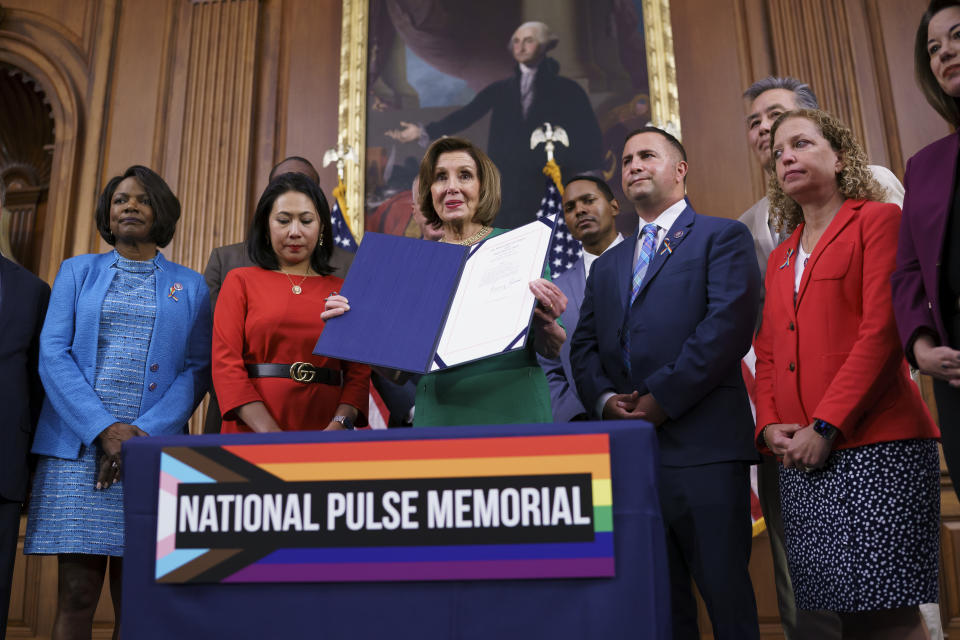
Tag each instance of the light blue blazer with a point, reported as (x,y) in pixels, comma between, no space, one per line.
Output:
(177,373)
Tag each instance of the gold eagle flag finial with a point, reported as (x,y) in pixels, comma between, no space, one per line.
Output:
(549,136)
(339,155)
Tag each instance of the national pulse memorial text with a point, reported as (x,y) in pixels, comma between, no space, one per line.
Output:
(494,510)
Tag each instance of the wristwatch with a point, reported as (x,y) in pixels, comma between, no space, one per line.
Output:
(825,430)
(345,421)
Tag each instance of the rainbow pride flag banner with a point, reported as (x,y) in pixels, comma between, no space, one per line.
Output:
(520,507)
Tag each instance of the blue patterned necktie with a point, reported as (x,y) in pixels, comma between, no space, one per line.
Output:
(643,261)
(647,243)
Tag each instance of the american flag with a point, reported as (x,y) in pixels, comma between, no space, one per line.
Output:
(378,413)
(565,250)
(748,367)
(342,236)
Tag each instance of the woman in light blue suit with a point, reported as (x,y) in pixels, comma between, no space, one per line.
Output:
(124,352)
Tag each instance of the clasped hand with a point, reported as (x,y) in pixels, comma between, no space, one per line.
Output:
(799,446)
(633,406)
(111,441)
(942,363)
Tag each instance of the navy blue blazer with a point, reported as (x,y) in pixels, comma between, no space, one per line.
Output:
(690,325)
(23,303)
(563,394)
(178,358)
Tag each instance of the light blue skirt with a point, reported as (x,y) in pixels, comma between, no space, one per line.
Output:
(68,515)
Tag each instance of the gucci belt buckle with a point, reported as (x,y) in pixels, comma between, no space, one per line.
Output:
(303,372)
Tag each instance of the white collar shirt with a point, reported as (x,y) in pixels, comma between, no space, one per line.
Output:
(663,221)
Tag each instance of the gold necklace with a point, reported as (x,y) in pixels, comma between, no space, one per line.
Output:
(295,287)
(479,234)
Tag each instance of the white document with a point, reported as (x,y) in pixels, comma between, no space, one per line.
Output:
(492,306)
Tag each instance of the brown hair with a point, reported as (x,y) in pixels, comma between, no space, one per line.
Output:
(487,174)
(854,180)
(944,104)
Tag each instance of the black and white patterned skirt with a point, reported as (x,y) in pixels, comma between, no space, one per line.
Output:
(863,532)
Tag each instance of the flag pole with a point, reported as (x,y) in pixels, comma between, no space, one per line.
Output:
(339,155)
(565,250)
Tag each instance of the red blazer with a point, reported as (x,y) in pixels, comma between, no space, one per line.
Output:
(834,354)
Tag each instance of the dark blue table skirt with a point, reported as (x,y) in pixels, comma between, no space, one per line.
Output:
(634,604)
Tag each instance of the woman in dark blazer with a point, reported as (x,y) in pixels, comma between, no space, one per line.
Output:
(926,282)
(859,482)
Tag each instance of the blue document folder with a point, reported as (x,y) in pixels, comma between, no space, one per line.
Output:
(400,292)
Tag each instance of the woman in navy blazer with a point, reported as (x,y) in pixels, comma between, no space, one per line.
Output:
(124,352)
(926,283)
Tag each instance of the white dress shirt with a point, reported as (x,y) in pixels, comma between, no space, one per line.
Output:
(799,265)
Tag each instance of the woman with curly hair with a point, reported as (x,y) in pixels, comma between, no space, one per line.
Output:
(859,479)
(926,282)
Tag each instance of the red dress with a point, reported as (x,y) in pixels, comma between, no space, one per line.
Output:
(258,320)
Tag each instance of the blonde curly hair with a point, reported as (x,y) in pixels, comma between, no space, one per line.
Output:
(854,180)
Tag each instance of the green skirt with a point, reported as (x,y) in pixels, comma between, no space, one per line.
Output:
(506,389)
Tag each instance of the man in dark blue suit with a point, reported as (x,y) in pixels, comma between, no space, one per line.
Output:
(23,303)
(666,318)
(590,211)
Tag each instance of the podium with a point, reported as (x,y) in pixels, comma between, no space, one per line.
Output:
(632,604)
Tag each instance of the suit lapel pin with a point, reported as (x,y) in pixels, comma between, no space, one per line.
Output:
(786,263)
(678,234)
(666,247)
(174,289)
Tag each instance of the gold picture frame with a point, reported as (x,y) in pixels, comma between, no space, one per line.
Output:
(661,68)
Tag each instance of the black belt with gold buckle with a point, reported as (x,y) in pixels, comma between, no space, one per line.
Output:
(298,372)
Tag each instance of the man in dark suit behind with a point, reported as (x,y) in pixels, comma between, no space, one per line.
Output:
(590,211)
(23,304)
(666,318)
(232,256)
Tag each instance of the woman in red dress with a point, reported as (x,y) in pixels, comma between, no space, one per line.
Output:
(267,322)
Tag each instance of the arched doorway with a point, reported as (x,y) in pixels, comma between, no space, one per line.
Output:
(26,157)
